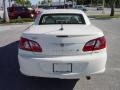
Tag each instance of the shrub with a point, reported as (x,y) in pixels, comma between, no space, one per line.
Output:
(22,20)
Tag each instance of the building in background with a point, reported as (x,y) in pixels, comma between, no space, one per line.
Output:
(55,5)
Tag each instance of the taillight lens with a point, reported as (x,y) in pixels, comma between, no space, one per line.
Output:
(95,44)
(29,45)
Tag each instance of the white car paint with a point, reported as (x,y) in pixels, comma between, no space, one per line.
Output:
(60,54)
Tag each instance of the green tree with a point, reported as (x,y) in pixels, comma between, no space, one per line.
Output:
(27,3)
(118,3)
(20,2)
(112,5)
(23,2)
(39,2)
(44,1)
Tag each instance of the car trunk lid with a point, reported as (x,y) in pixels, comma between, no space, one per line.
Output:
(69,40)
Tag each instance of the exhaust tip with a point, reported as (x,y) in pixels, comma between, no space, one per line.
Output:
(88,77)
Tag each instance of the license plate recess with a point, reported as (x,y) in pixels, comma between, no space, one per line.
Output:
(62,67)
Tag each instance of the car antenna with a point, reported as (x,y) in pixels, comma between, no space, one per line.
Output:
(61,27)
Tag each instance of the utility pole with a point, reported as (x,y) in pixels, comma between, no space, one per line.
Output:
(73,3)
(9,3)
(59,2)
(91,2)
(103,11)
(76,2)
(64,3)
(5,14)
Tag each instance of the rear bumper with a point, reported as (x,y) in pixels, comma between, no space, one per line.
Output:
(81,65)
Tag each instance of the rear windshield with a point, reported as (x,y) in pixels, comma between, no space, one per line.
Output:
(62,19)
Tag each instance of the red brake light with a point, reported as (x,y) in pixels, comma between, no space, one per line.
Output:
(29,45)
(95,44)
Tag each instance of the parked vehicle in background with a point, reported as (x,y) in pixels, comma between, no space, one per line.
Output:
(34,12)
(100,7)
(81,7)
(21,12)
(62,43)
(88,5)
(40,10)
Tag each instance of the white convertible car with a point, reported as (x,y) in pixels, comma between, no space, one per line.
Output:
(63,44)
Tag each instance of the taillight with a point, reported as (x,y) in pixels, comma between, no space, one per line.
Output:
(95,44)
(29,45)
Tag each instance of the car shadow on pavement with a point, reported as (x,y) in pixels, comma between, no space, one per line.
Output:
(12,79)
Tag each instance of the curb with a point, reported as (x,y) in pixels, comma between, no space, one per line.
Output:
(104,18)
(5,24)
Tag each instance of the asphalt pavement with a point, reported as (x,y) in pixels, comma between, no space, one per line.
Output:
(11,78)
(110,80)
(11,32)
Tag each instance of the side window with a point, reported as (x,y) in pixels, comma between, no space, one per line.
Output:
(25,9)
(10,9)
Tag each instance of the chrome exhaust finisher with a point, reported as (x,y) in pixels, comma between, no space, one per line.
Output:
(88,77)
